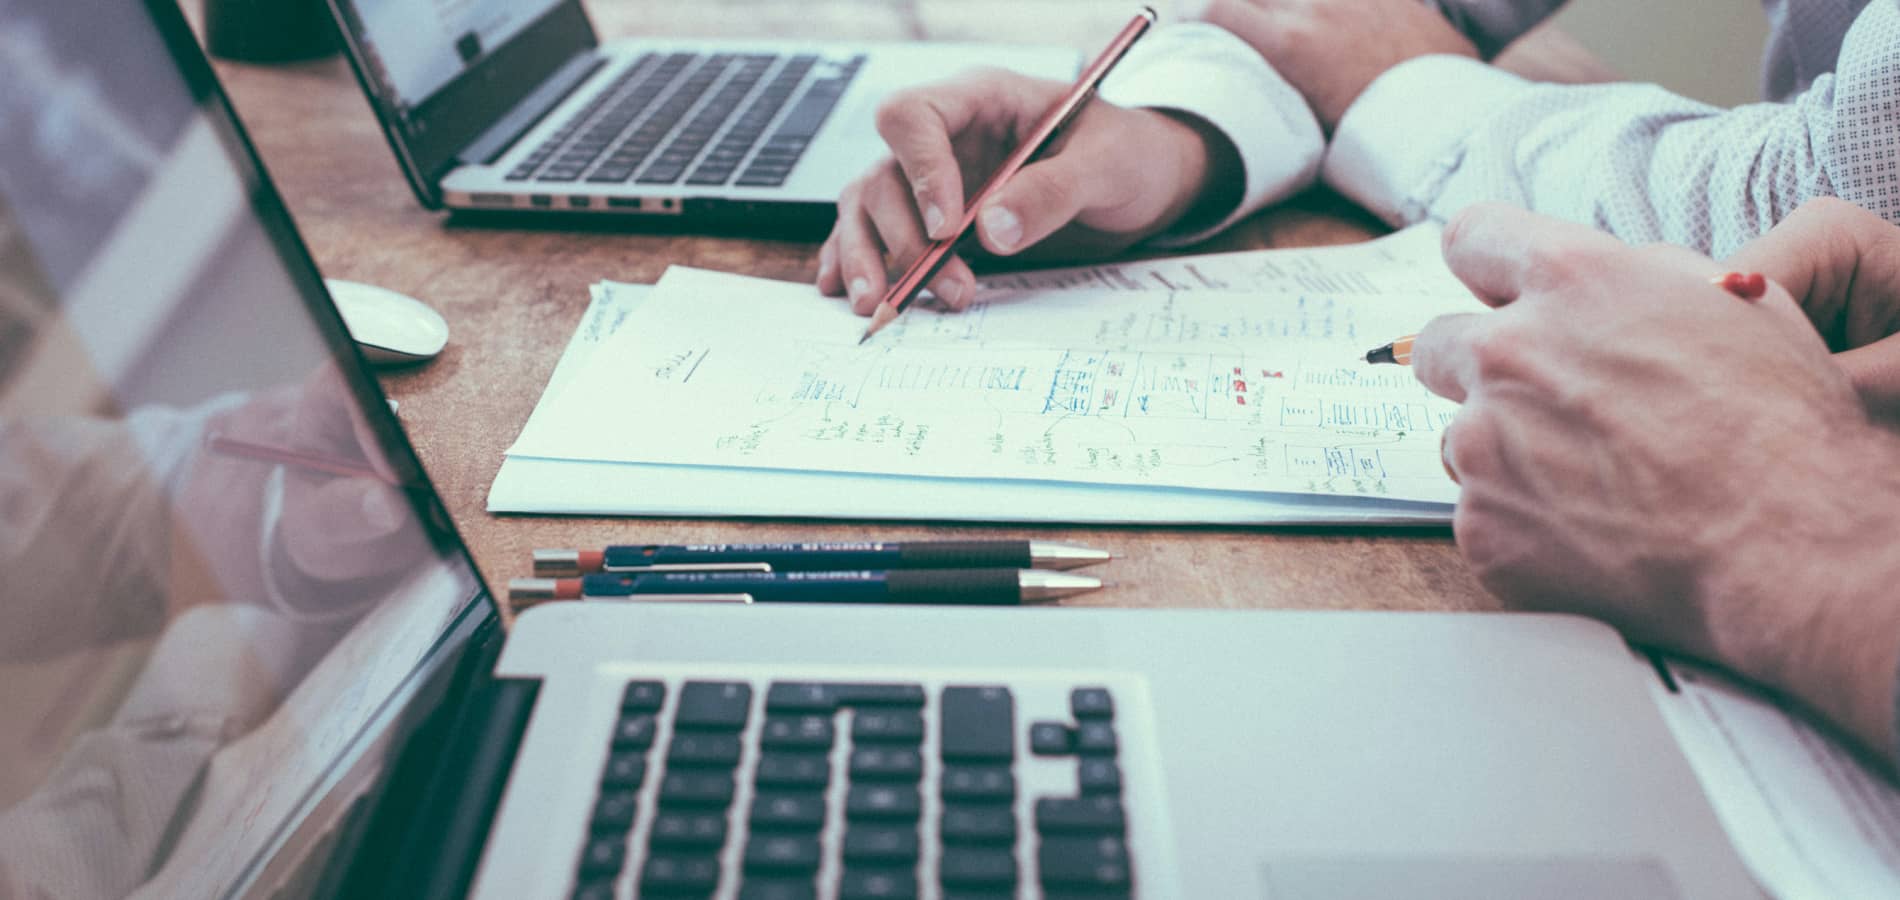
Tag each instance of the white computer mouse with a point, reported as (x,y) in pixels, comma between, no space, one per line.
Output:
(392,328)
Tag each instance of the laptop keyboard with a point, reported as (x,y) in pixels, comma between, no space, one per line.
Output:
(697,118)
(835,791)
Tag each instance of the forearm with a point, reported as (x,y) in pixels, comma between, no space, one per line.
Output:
(1814,610)
(1630,159)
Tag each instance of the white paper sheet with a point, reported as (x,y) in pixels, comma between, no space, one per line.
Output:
(1212,390)
(1808,818)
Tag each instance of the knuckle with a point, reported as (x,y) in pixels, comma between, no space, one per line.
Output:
(1466,219)
(898,114)
(1561,264)
(1504,352)
(1471,443)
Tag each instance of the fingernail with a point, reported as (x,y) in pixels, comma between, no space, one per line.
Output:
(824,267)
(1003,228)
(858,287)
(933,219)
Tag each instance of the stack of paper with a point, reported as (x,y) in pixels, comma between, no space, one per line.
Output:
(1221,389)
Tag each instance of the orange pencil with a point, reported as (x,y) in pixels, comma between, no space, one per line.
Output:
(900,295)
(1746,285)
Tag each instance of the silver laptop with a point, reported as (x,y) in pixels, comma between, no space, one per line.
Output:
(514,105)
(246,654)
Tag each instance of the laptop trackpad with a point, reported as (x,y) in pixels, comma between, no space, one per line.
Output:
(1426,878)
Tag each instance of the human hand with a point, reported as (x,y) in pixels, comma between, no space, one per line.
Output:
(1640,446)
(1842,264)
(329,530)
(1116,176)
(1331,50)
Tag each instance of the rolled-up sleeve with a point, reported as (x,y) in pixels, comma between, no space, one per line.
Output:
(1204,71)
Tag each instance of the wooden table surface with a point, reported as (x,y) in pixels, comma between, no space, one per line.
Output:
(513,297)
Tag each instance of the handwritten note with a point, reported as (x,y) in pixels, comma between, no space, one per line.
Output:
(1206,388)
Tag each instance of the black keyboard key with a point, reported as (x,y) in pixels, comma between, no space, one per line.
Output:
(598,889)
(1098,776)
(611,174)
(604,854)
(883,801)
(643,696)
(783,853)
(614,811)
(701,830)
(624,770)
(662,173)
(978,824)
(800,696)
(710,175)
(886,764)
(980,893)
(809,696)
(778,889)
(797,733)
(882,845)
(977,866)
(877,884)
(1051,739)
(669,873)
(1083,862)
(978,724)
(635,732)
(784,811)
(887,727)
(700,749)
(756,178)
(1057,815)
(980,784)
(1096,739)
(793,770)
(713,705)
(1091,703)
(690,788)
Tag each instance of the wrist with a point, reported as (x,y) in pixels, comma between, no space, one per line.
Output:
(1810,603)
(1207,173)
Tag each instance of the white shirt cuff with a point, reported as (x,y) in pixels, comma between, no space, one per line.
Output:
(1404,135)
(1205,71)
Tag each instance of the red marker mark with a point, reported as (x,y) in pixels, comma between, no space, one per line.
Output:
(1264,373)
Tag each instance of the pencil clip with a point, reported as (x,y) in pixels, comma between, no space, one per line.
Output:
(693,567)
(675,598)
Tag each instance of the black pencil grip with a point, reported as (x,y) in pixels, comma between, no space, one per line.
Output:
(986,587)
(966,555)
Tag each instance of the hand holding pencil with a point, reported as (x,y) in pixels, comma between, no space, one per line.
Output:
(1112,177)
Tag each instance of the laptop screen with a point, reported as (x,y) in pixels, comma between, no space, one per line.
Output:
(220,563)
(418,46)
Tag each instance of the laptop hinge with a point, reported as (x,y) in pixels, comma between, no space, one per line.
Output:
(426,837)
(491,144)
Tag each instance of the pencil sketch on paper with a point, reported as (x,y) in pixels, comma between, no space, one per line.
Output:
(1198,388)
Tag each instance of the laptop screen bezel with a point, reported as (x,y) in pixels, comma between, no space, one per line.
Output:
(273,217)
(429,139)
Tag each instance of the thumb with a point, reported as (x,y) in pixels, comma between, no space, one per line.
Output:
(348,528)
(1041,199)
(1875,373)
